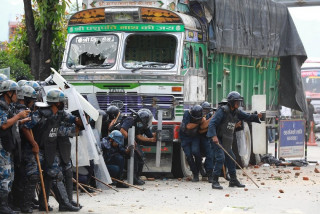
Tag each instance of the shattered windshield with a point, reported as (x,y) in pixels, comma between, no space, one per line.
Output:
(150,51)
(93,52)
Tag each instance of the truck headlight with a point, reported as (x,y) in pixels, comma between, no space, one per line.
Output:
(167,114)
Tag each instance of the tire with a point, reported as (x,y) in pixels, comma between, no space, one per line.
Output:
(180,167)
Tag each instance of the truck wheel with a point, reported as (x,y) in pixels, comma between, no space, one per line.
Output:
(180,167)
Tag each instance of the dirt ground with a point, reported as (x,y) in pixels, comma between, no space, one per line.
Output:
(281,190)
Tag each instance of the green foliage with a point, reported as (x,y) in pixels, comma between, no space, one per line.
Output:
(44,12)
(19,45)
(17,66)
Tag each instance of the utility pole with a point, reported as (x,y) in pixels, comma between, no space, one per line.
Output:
(77,6)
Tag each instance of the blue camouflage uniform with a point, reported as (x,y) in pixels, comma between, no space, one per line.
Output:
(6,163)
(55,168)
(46,126)
(66,130)
(114,158)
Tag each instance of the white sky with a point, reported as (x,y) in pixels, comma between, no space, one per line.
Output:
(306,19)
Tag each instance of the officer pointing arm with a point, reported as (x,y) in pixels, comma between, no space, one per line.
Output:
(221,130)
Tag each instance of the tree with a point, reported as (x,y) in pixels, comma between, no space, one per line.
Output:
(44,24)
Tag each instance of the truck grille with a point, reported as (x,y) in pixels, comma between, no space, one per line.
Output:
(135,102)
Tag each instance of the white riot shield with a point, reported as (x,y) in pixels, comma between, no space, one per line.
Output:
(82,105)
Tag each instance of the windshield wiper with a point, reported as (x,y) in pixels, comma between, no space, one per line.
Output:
(143,65)
(92,66)
(106,65)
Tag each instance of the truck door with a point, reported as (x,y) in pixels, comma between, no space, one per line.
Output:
(194,76)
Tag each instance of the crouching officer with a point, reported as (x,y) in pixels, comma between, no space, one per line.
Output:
(221,130)
(10,137)
(45,123)
(142,123)
(114,154)
(190,139)
(205,146)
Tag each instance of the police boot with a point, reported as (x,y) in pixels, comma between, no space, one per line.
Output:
(202,171)
(15,196)
(62,198)
(136,177)
(121,185)
(215,183)
(210,176)
(35,202)
(69,186)
(4,206)
(195,177)
(234,182)
(137,181)
(28,190)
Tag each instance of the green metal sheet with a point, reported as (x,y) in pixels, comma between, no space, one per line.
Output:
(248,76)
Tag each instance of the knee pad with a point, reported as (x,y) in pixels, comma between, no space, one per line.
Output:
(68,172)
(67,166)
(55,173)
(59,176)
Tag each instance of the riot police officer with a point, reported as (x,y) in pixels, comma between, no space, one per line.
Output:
(190,140)
(205,146)
(66,131)
(21,83)
(45,125)
(143,123)
(10,137)
(114,118)
(33,84)
(114,154)
(38,88)
(221,130)
(25,179)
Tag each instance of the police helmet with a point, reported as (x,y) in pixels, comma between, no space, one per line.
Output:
(113,112)
(55,95)
(28,91)
(33,84)
(9,85)
(206,105)
(117,137)
(196,112)
(145,117)
(3,77)
(21,83)
(234,96)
